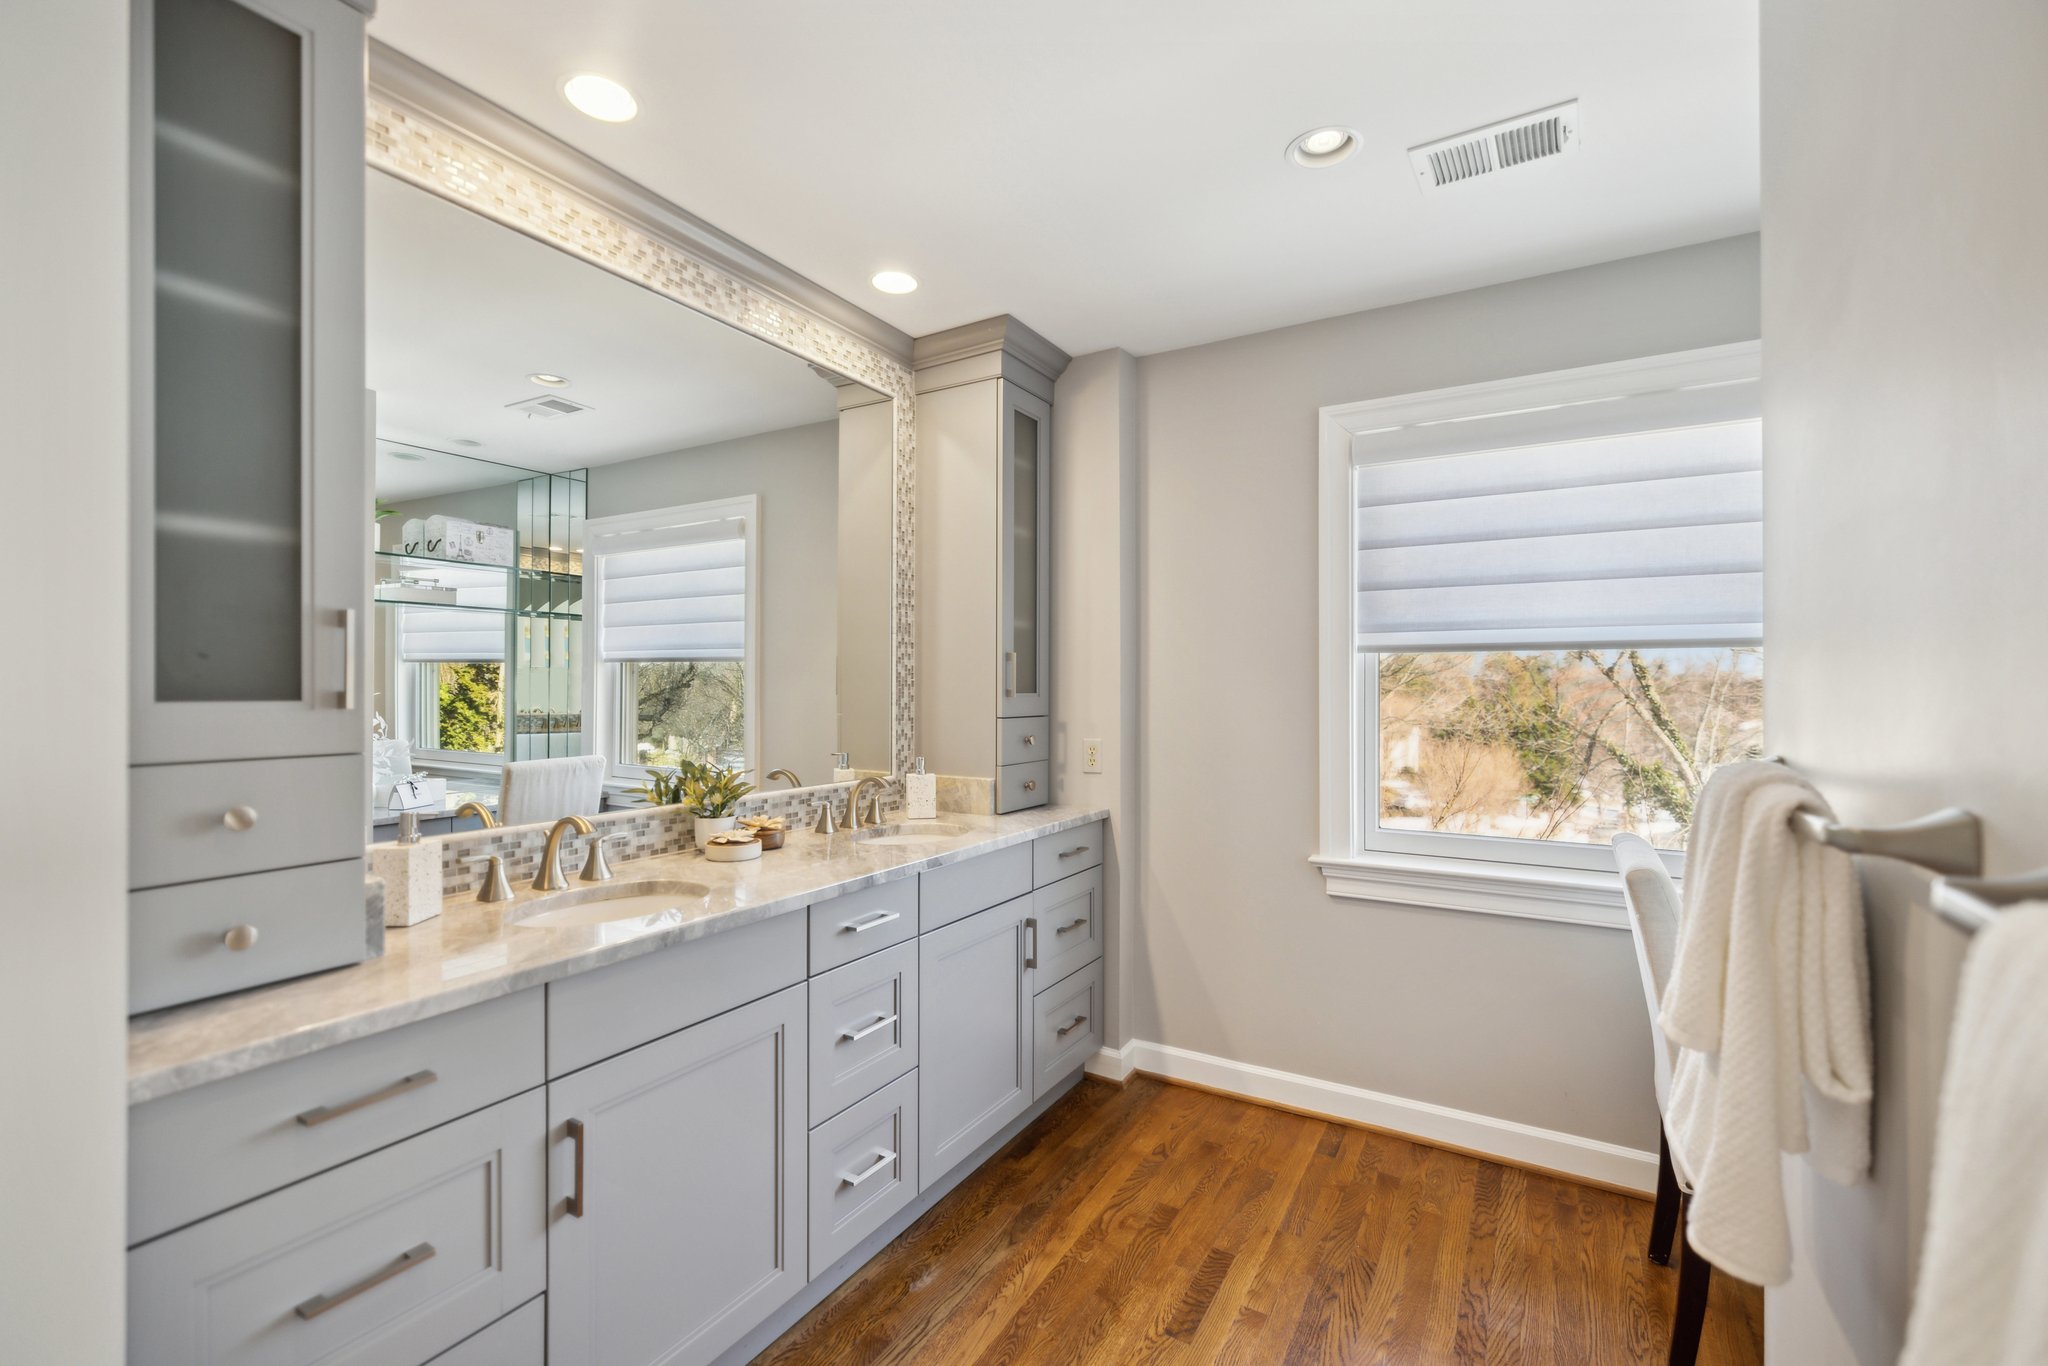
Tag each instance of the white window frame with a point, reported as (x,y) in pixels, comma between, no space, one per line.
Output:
(1540,880)
(602,684)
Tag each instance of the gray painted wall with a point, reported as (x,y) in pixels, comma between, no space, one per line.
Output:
(1238,950)
(1906,314)
(63,977)
(796,474)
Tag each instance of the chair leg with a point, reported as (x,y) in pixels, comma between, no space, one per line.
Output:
(1694,1275)
(1664,1215)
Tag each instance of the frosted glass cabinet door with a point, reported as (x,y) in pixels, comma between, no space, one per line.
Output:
(252,505)
(1026,580)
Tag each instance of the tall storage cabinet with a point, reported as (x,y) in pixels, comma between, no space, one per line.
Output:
(251,493)
(985,468)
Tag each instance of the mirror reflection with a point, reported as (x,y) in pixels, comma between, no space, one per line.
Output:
(613,535)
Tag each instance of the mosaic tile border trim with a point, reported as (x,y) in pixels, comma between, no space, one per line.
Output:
(425,150)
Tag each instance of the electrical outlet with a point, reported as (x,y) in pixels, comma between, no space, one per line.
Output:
(1091,756)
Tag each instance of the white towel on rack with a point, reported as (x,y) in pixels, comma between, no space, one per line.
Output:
(548,789)
(1984,1265)
(1769,1004)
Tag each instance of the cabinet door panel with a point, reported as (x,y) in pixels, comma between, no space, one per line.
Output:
(690,1172)
(1069,915)
(863,1028)
(974,1069)
(1024,555)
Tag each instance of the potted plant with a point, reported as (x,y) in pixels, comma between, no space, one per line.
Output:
(712,794)
(664,786)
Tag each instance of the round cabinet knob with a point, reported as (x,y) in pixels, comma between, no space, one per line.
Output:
(1031,784)
(239,818)
(240,937)
(1031,739)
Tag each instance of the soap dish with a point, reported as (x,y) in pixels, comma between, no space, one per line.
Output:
(732,847)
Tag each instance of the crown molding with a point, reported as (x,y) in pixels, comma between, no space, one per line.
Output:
(1004,333)
(404,80)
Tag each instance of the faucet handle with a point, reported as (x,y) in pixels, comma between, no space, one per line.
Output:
(596,868)
(827,824)
(497,887)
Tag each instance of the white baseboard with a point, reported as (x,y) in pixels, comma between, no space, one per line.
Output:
(1524,1145)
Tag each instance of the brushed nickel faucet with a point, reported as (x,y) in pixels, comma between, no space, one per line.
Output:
(775,773)
(853,820)
(549,878)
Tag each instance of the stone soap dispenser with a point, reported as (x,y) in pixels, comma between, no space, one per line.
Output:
(920,795)
(411,869)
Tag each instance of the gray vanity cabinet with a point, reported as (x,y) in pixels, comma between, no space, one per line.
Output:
(677,1189)
(250,504)
(975,977)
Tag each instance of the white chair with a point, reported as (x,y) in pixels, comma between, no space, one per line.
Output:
(538,790)
(1653,910)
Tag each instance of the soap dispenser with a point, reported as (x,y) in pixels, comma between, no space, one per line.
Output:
(411,869)
(842,768)
(920,794)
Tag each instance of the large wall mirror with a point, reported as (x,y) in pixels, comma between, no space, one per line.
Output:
(611,526)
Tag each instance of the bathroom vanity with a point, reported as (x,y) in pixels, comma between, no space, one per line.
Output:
(610,1125)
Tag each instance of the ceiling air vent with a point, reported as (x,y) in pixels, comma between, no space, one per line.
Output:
(548,405)
(1497,147)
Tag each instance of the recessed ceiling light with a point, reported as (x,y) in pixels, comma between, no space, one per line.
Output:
(600,97)
(465,441)
(894,281)
(407,455)
(551,381)
(1322,146)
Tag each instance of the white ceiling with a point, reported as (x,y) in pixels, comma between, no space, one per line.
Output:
(462,310)
(1111,171)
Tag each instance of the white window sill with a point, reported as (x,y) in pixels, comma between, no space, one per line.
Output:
(1527,891)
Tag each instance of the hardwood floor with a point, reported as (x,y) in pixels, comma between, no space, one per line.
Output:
(1153,1223)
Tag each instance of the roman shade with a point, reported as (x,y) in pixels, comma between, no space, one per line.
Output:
(436,635)
(674,593)
(1607,530)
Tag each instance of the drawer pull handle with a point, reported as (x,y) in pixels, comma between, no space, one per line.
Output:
(883,1161)
(1031,739)
(871,920)
(239,818)
(405,1261)
(855,1035)
(1010,673)
(1079,1020)
(1031,784)
(1031,958)
(1071,925)
(239,938)
(1074,852)
(320,1114)
(348,659)
(576,1205)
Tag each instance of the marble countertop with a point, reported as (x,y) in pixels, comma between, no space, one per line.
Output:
(475,951)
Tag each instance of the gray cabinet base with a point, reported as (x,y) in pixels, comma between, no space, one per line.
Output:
(832,1277)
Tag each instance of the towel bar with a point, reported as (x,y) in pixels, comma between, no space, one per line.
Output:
(1949,842)
(1971,903)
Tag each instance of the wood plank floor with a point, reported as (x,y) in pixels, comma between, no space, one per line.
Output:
(1154,1223)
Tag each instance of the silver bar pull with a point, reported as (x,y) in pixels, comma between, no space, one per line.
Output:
(883,1161)
(872,920)
(320,1114)
(575,1202)
(1074,852)
(1031,957)
(1010,673)
(1078,1021)
(856,1035)
(348,659)
(405,1261)
(1070,925)
(1972,903)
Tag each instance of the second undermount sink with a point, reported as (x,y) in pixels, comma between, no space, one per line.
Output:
(650,904)
(910,832)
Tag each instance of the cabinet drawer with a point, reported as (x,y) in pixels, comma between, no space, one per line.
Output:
(304,919)
(863,1028)
(217,1145)
(597,1014)
(518,1339)
(193,821)
(860,923)
(1069,1027)
(960,889)
(1069,916)
(390,1258)
(863,1170)
(1067,853)
(1019,787)
(1023,740)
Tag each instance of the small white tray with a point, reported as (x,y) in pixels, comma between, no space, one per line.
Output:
(733,853)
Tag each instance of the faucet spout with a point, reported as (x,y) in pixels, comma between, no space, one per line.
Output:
(549,877)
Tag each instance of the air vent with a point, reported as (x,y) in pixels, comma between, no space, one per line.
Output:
(548,405)
(1497,147)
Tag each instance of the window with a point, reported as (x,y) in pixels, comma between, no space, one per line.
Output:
(1542,620)
(674,601)
(452,663)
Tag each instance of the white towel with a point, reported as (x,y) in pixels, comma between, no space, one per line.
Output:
(1769,1004)
(1983,1293)
(548,789)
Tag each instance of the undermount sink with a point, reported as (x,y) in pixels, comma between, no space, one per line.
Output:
(650,904)
(910,832)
